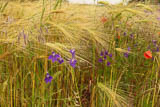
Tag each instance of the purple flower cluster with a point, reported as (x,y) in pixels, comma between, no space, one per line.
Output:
(73,61)
(126,54)
(24,36)
(48,78)
(124,33)
(155,46)
(131,36)
(103,57)
(56,57)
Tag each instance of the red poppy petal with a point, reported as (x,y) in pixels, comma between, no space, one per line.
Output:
(118,37)
(148,54)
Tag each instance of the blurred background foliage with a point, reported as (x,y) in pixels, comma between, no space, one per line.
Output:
(145,1)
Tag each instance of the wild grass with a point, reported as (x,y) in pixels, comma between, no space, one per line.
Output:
(31,31)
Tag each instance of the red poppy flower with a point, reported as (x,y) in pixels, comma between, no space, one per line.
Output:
(103,19)
(148,54)
(118,37)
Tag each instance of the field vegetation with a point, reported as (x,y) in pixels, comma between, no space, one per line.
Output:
(55,54)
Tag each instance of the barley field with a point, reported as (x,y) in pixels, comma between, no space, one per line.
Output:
(57,54)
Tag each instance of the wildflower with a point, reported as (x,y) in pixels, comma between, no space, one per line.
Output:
(103,19)
(60,60)
(129,49)
(110,55)
(148,54)
(131,36)
(73,62)
(106,53)
(125,34)
(54,57)
(100,60)
(126,54)
(118,37)
(154,42)
(108,63)
(157,50)
(48,78)
(73,52)
(101,54)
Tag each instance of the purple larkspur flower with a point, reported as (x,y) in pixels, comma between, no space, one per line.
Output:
(60,60)
(100,60)
(108,63)
(102,53)
(105,57)
(129,48)
(110,55)
(73,62)
(126,55)
(131,36)
(154,42)
(72,51)
(106,53)
(48,78)
(157,49)
(124,33)
(54,57)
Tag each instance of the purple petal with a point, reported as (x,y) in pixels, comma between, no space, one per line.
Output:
(73,52)
(50,57)
(131,35)
(53,53)
(154,42)
(105,57)
(73,63)
(57,56)
(54,59)
(110,55)
(101,54)
(129,49)
(157,50)
(48,78)
(106,52)
(108,63)
(100,60)
(126,55)
(60,60)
